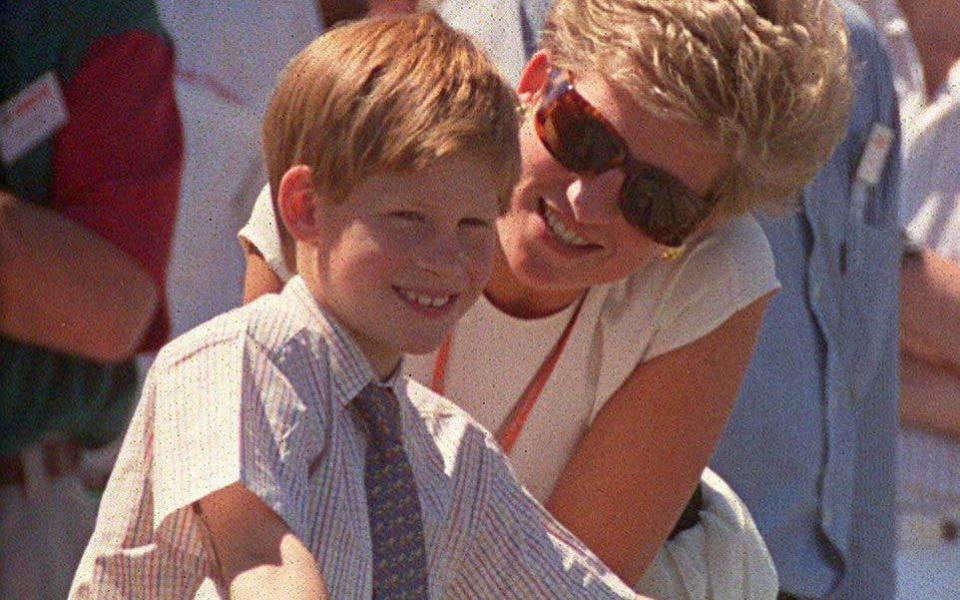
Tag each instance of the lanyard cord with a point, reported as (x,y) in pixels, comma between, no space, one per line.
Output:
(513,424)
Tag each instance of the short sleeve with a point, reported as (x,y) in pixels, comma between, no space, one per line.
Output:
(723,273)
(262,233)
(520,551)
(227,414)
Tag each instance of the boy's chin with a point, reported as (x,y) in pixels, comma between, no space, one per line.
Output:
(425,346)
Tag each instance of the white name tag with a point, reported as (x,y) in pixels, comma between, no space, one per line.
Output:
(31,116)
(875,154)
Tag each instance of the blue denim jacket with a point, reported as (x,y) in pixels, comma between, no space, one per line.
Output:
(811,442)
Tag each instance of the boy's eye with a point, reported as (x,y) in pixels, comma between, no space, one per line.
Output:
(476,222)
(407,215)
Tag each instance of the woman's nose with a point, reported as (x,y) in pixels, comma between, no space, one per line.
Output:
(595,200)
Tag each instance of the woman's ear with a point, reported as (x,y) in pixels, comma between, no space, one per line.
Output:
(534,76)
(297,202)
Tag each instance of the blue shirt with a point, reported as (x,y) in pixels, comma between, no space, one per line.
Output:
(810,445)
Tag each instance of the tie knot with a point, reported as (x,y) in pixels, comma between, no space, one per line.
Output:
(380,410)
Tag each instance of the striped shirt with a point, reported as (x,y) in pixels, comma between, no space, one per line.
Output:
(261,396)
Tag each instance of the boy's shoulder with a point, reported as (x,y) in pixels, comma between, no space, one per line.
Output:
(444,418)
(269,323)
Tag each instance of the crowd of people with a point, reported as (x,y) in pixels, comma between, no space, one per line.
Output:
(540,298)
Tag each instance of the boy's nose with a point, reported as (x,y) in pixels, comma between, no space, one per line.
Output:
(595,200)
(442,258)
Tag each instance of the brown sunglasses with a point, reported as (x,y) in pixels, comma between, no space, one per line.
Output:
(583,141)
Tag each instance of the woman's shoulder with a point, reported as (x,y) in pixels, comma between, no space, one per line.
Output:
(736,245)
(677,301)
(733,254)
(262,233)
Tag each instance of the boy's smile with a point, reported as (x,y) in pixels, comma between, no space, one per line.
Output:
(405,255)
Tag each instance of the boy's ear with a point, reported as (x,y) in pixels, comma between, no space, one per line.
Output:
(534,76)
(297,202)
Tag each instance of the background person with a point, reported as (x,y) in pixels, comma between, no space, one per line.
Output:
(810,445)
(925,50)
(90,156)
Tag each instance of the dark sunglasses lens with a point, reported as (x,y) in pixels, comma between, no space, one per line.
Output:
(576,138)
(661,209)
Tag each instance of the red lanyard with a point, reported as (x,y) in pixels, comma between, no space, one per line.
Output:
(513,424)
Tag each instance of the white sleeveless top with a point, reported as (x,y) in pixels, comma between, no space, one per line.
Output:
(662,307)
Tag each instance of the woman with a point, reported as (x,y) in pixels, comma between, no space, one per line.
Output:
(631,283)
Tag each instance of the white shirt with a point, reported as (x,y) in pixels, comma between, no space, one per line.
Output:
(240,45)
(261,396)
(495,27)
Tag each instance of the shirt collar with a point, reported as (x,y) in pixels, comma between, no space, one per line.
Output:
(351,371)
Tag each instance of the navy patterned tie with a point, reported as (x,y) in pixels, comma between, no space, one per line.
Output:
(396,531)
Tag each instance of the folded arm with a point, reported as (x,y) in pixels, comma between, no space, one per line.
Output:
(63,287)
(930,308)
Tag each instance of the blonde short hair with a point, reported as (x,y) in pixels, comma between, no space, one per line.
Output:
(389,94)
(770,80)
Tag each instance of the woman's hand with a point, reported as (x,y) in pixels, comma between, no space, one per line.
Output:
(259,278)
(635,468)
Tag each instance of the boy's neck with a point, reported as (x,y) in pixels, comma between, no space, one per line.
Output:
(385,367)
(383,361)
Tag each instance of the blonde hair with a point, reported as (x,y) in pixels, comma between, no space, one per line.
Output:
(769,80)
(389,94)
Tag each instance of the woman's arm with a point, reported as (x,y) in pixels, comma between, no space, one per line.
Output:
(258,555)
(635,468)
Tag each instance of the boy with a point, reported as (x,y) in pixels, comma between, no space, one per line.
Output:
(276,451)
